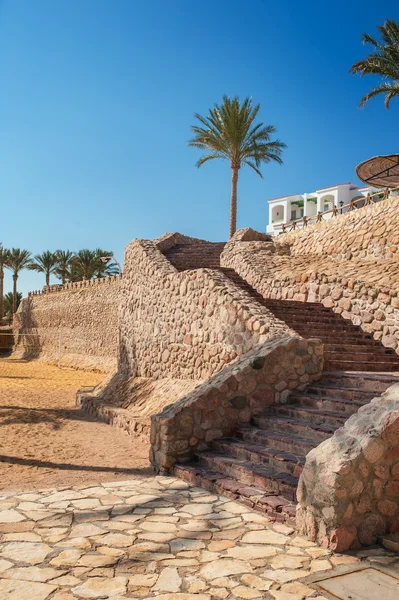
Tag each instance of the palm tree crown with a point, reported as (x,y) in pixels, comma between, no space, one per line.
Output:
(65,259)
(44,263)
(383,61)
(229,132)
(17,260)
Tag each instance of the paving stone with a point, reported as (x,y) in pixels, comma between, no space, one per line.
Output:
(219,592)
(144,580)
(285,561)
(267,536)
(197,509)
(86,530)
(100,587)
(97,560)
(180,544)
(11,516)
(28,590)
(169,580)
(5,564)
(285,575)
(224,567)
(175,596)
(27,552)
(297,588)
(252,552)
(243,591)
(33,573)
(257,582)
(67,558)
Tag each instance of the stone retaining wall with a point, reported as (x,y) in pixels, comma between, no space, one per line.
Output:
(349,490)
(368,232)
(85,319)
(366,292)
(186,325)
(263,377)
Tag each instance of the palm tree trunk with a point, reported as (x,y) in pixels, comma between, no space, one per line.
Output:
(14,293)
(1,297)
(47,279)
(233,202)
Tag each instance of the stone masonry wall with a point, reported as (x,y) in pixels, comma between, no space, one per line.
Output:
(214,409)
(184,324)
(368,232)
(364,291)
(349,489)
(85,317)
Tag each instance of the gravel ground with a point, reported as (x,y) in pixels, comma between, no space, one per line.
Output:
(46,441)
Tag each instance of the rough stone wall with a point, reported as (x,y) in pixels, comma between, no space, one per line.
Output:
(263,377)
(364,291)
(349,489)
(368,232)
(184,324)
(86,318)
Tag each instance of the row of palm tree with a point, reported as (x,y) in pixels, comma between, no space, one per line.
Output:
(65,265)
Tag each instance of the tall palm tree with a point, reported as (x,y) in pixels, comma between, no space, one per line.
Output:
(64,264)
(229,132)
(9,302)
(44,263)
(4,254)
(383,61)
(18,259)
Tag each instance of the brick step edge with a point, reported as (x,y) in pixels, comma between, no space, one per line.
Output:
(277,508)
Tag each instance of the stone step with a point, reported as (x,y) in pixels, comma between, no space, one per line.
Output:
(314,432)
(361,356)
(327,403)
(371,346)
(342,393)
(263,478)
(347,365)
(362,381)
(286,442)
(258,454)
(315,416)
(277,507)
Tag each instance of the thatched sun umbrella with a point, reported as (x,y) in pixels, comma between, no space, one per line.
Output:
(380,171)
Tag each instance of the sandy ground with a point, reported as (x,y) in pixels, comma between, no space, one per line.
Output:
(46,441)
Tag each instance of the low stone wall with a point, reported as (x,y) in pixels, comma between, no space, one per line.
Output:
(263,377)
(186,325)
(366,292)
(6,339)
(349,489)
(81,322)
(368,232)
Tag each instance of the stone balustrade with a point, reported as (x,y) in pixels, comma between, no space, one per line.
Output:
(349,489)
(214,409)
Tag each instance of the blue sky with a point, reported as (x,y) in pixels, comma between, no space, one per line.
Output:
(97,98)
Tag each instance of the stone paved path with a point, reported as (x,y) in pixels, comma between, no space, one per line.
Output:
(153,538)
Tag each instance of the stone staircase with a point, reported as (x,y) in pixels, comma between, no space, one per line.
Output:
(261,464)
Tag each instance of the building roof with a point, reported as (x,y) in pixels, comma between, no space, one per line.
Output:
(318,190)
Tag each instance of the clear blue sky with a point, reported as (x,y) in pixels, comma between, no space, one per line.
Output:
(97,98)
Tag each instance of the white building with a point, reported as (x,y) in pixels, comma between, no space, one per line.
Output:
(285,209)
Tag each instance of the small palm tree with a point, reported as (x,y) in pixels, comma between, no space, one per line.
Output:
(9,302)
(64,264)
(104,268)
(383,61)
(84,264)
(44,263)
(229,132)
(18,259)
(4,255)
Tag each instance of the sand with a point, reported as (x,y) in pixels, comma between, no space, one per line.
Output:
(46,441)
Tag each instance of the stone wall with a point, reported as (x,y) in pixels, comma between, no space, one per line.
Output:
(368,232)
(364,291)
(186,324)
(349,490)
(230,398)
(84,318)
